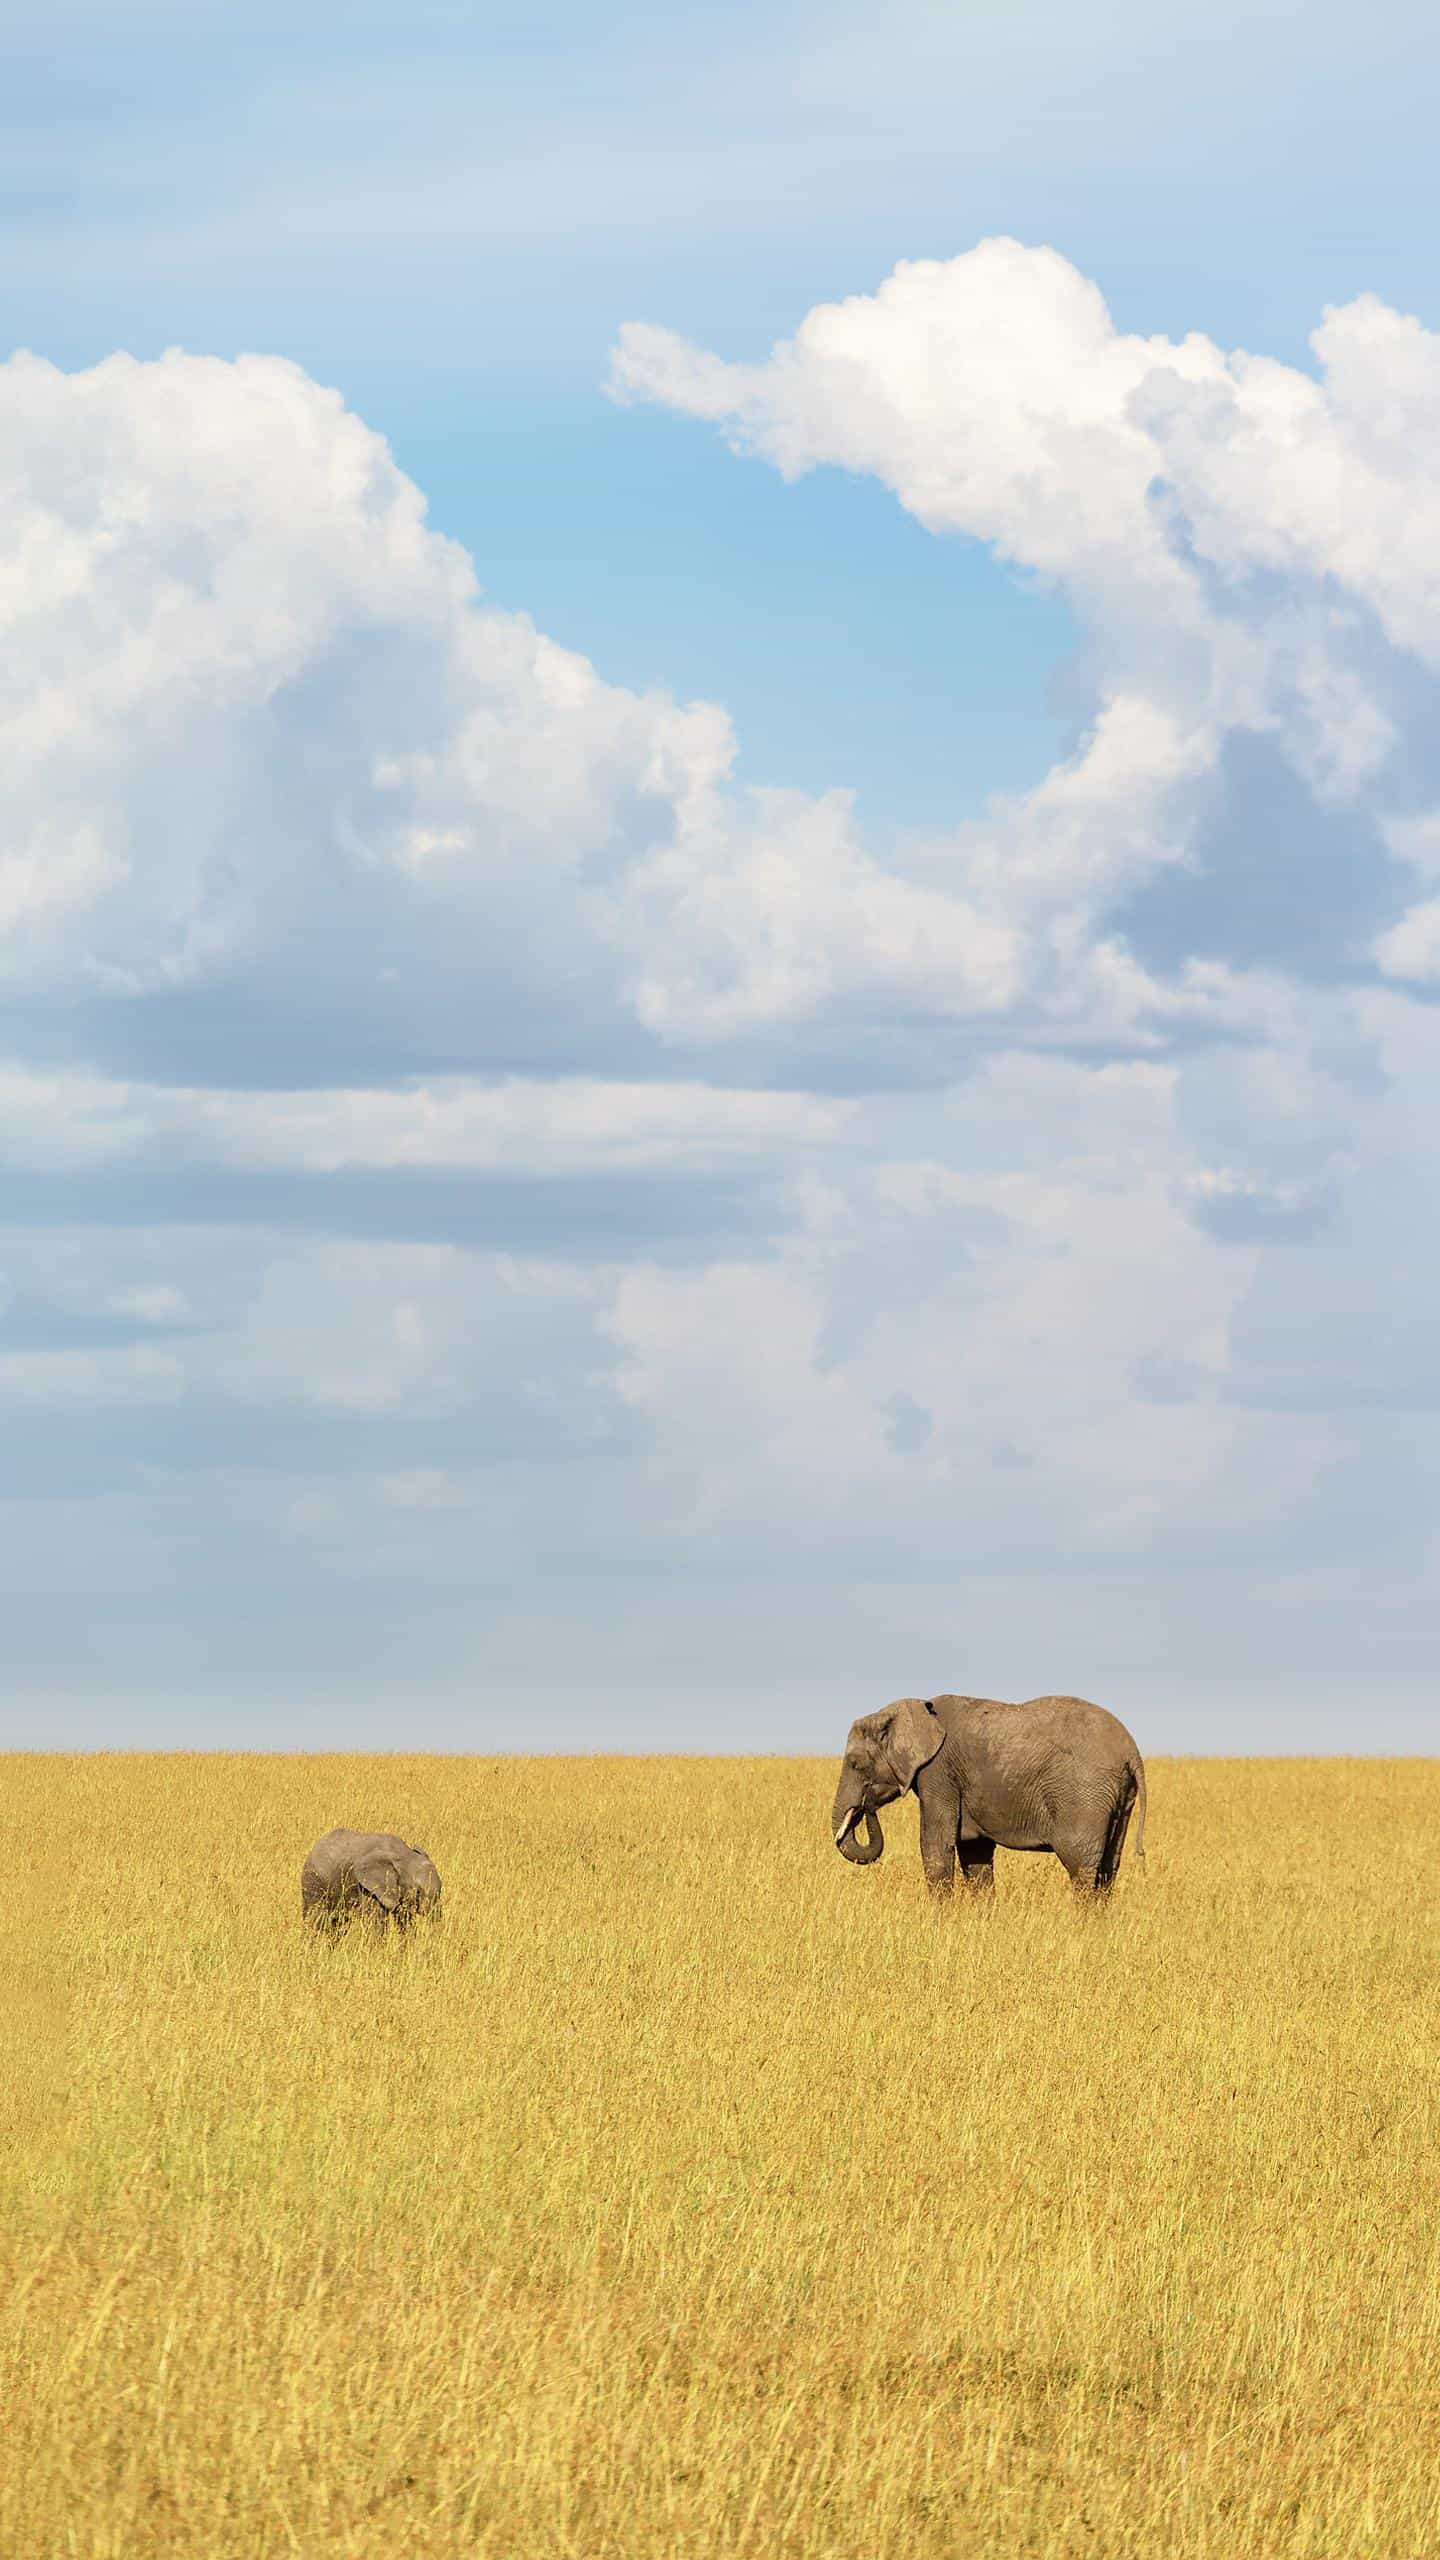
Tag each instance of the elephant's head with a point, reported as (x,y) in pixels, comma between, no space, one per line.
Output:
(399,1882)
(883,1756)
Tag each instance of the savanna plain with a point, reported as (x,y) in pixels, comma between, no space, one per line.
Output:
(688,2192)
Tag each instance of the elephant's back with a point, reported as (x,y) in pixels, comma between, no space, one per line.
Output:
(332,1846)
(1028,1729)
(358,1844)
(1074,1719)
(332,1858)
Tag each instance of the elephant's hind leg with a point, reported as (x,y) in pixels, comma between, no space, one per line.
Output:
(1116,1829)
(1090,1850)
(1084,1864)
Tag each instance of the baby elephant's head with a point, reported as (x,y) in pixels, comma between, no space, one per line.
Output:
(401,1882)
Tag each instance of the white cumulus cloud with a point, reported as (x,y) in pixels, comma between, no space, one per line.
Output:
(1252,550)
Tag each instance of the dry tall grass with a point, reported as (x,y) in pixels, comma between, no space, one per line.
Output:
(691,2195)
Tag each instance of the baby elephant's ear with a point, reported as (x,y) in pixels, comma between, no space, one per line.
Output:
(377,1874)
(912,1738)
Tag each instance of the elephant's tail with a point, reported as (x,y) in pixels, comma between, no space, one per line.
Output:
(1137,1772)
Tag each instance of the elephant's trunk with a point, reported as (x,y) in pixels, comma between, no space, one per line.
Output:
(861,1853)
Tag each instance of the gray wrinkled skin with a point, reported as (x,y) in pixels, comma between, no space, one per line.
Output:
(1053,1773)
(367,1874)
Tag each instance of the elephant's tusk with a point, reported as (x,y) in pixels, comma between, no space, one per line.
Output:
(846,1827)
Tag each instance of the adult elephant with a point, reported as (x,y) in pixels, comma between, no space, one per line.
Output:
(1053,1773)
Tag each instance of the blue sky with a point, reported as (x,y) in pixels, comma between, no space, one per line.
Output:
(544,1217)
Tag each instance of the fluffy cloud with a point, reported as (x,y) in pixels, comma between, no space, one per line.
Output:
(267,744)
(260,725)
(1253,552)
(465,1148)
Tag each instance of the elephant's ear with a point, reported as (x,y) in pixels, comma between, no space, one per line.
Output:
(911,1738)
(377,1874)
(422,1876)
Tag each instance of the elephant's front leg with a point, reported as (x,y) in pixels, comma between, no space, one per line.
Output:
(977,1864)
(939,1823)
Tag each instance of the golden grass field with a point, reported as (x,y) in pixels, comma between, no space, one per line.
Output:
(690,2194)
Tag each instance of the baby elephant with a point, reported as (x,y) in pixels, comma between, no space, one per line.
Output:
(367,1871)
